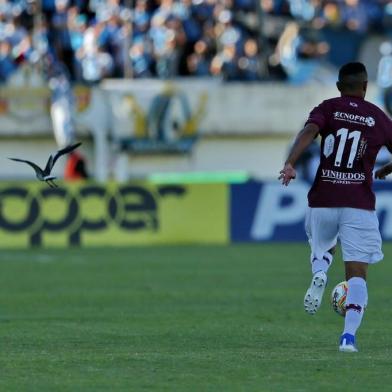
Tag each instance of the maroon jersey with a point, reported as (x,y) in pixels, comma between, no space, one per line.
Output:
(352,132)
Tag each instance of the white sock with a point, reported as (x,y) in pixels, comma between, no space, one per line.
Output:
(356,301)
(321,264)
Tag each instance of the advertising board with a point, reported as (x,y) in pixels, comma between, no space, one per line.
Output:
(91,214)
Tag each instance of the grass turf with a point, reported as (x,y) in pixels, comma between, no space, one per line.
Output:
(183,319)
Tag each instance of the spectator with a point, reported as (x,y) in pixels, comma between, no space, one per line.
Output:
(198,62)
(225,64)
(250,64)
(60,36)
(141,60)
(7,65)
(355,16)
(226,32)
(141,19)
(329,15)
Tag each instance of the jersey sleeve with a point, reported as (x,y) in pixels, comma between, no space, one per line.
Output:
(387,131)
(318,116)
(388,134)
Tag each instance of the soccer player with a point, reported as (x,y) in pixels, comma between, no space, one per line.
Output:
(341,201)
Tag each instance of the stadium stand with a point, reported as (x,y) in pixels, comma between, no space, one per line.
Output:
(233,40)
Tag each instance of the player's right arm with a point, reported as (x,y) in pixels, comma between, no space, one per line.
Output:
(384,171)
(301,143)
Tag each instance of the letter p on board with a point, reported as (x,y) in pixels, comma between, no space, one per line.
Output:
(278,205)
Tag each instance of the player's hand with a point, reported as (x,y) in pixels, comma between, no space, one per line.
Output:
(287,174)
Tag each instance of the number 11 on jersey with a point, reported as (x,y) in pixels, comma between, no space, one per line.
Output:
(344,135)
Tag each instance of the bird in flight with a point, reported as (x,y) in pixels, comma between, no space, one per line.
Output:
(44,175)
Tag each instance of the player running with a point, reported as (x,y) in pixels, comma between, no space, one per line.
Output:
(341,200)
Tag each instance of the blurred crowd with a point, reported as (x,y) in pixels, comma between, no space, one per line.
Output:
(245,40)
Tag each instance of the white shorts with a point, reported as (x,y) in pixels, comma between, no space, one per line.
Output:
(356,229)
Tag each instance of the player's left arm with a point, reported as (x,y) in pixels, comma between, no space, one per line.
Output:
(385,170)
(301,143)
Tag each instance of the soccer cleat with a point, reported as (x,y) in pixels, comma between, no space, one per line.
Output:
(347,343)
(314,295)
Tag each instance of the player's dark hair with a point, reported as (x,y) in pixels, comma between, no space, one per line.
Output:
(351,69)
(352,76)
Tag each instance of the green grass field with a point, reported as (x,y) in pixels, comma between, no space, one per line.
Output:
(183,319)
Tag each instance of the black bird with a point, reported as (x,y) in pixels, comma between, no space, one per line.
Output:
(44,175)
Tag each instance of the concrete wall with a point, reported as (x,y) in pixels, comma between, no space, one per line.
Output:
(245,127)
(261,157)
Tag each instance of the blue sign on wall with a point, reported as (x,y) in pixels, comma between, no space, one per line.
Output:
(268,211)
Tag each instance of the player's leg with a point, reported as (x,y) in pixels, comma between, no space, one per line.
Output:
(315,292)
(321,227)
(361,241)
(322,263)
(356,301)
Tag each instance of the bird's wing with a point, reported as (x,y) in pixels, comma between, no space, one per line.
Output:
(49,164)
(53,157)
(32,164)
